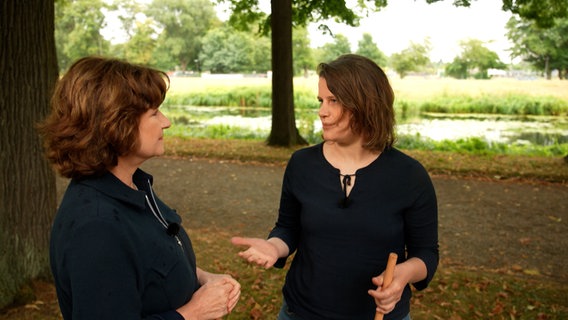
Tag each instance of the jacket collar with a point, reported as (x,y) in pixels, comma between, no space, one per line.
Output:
(111,186)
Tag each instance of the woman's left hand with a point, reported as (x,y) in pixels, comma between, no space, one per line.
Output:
(410,271)
(387,298)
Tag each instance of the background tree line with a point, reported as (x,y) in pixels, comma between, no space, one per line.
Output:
(187,35)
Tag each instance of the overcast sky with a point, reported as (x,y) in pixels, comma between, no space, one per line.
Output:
(403,21)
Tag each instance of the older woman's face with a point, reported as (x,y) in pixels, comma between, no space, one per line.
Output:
(334,118)
(151,133)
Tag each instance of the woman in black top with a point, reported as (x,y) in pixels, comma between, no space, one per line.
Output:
(117,251)
(347,203)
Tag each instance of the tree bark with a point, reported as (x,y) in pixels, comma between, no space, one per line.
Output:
(28,71)
(283,131)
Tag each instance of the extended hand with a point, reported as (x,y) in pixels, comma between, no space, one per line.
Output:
(260,251)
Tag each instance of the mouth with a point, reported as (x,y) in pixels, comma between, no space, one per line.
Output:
(327,125)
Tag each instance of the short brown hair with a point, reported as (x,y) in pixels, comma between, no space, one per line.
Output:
(96,110)
(363,88)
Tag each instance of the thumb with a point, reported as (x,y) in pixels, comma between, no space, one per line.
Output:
(378,280)
(240,241)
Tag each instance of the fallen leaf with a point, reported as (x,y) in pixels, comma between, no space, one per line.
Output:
(532,272)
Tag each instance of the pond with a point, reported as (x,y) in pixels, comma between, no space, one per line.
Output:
(499,129)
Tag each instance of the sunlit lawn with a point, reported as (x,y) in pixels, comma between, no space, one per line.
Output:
(409,88)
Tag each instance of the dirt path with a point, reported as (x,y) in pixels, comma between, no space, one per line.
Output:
(516,227)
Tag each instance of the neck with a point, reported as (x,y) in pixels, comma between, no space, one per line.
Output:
(352,153)
(348,158)
(124,172)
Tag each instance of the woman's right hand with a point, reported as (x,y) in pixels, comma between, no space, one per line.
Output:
(211,301)
(263,252)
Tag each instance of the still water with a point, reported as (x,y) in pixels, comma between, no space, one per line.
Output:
(499,131)
(538,131)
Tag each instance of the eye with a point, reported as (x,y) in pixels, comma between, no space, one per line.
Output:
(320,100)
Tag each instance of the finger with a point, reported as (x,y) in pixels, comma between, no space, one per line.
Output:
(268,264)
(378,280)
(236,289)
(233,301)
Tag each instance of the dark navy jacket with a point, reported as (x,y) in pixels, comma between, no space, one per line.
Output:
(111,258)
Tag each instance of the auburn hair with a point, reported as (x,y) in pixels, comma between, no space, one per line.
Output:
(363,88)
(95,114)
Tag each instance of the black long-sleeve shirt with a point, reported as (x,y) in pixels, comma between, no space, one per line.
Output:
(111,258)
(392,208)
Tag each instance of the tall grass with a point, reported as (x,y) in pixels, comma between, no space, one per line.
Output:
(510,104)
(509,101)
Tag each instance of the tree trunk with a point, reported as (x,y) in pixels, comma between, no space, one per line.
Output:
(28,71)
(547,70)
(283,131)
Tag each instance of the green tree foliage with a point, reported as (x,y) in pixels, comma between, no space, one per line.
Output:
(332,50)
(545,49)
(302,53)
(457,69)
(475,60)
(368,48)
(542,12)
(142,45)
(77,30)
(183,24)
(226,50)
(140,41)
(411,59)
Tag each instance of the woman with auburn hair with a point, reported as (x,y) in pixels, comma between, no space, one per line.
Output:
(116,250)
(347,204)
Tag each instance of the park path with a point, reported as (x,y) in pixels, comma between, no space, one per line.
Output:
(510,226)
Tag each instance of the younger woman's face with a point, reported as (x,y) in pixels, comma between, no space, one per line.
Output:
(334,118)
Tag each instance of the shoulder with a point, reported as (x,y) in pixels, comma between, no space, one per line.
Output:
(395,156)
(84,201)
(311,153)
(402,164)
(306,159)
(87,213)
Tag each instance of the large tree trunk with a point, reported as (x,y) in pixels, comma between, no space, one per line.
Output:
(28,71)
(283,131)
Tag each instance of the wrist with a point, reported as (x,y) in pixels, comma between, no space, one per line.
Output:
(188,312)
(280,247)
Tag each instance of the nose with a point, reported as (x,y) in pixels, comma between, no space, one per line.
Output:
(323,111)
(166,122)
